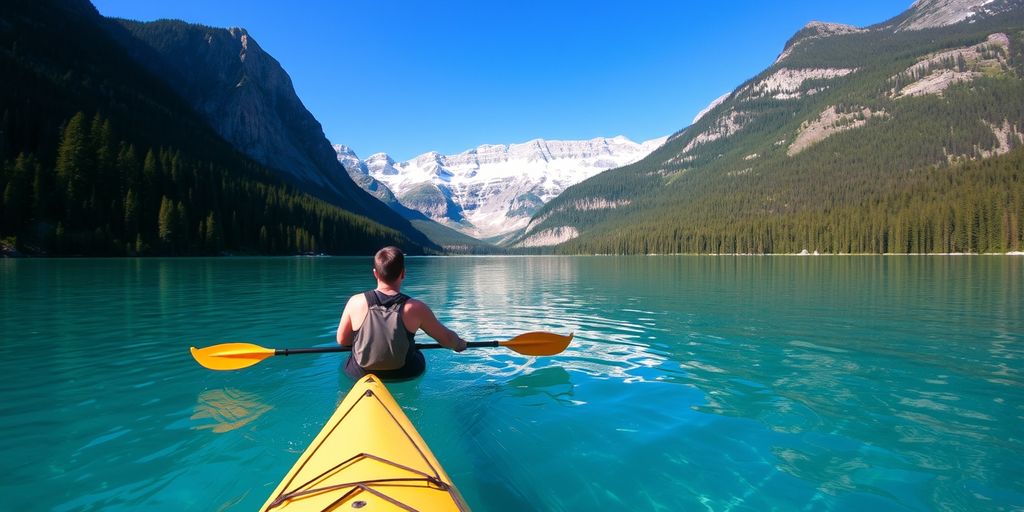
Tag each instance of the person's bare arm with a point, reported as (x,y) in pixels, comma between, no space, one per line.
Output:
(435,329)
(345,329)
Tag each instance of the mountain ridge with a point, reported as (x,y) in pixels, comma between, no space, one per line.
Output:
(248,98)
(100,156)
(736,181)
(490,190)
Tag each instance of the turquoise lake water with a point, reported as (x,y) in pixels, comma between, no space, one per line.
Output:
(694,383)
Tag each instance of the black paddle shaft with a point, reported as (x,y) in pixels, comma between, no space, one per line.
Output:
(339,348)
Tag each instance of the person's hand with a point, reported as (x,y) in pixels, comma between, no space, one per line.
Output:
(460,345)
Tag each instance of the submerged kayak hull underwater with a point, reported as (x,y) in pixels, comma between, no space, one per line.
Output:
(367,457)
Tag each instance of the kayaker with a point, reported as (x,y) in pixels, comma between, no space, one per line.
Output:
(380,325)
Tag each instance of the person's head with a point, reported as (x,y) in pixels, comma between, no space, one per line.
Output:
(389,264)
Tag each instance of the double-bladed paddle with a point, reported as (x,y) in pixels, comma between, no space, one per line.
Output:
(235,356)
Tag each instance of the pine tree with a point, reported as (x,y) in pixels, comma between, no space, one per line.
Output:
(166,224)
(213,235)
(128,166)
(73,165)
(148,188)
(140,246)
(131,215)
(179,221)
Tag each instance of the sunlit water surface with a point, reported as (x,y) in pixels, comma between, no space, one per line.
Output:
(694,383)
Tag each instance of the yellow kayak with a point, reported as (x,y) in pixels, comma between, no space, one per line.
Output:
(369,457)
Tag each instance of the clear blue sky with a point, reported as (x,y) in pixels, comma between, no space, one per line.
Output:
(415,76)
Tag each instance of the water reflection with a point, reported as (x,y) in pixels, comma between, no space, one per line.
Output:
(496,298)
(704,382)
(867,375)
(552,384)
(227,409)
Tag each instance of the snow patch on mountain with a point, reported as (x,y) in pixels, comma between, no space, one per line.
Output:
(348,158)
(494,189)
(718,101)
(381,164)
(549,237)
(940,13)
(580,205)
(360,174)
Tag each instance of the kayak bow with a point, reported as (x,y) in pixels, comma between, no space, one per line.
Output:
(368,455)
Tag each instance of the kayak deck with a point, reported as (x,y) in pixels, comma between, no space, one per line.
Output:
(368,456)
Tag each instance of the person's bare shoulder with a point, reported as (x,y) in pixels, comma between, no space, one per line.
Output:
(355,310)
(415,311)
(355,302)
(415,307)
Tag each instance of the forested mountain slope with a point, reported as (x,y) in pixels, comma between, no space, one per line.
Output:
(249,100)
(902,137)
(100,157)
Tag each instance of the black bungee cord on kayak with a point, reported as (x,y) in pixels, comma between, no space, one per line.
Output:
(369,485)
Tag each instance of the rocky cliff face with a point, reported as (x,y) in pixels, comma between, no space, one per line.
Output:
(926,14)
(248,98)
(815,30)
(493,189)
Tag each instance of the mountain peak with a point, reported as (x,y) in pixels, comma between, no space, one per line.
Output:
(344,150)
(815,30)
(925,14)
(380,164)
(380,158)
(493,189)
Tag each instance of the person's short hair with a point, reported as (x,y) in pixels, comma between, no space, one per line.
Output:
(389,263)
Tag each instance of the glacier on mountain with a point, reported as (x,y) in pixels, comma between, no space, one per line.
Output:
(493,189)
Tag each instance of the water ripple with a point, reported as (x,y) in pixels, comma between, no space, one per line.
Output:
(692,383)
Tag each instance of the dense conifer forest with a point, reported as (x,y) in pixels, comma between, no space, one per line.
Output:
(929,173)
(101,195)
(98,157)
(976,207)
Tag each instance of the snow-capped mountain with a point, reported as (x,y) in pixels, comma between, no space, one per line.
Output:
(493,189)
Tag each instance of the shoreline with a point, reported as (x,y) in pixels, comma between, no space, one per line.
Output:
(13,254)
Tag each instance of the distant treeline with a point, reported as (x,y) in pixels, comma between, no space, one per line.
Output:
(98,156)
(102,195)
(919,176)
(975,207)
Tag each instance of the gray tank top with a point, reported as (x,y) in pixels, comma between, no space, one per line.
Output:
(382,342)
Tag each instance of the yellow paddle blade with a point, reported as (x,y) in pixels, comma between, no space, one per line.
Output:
(538,343)
(231,356)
